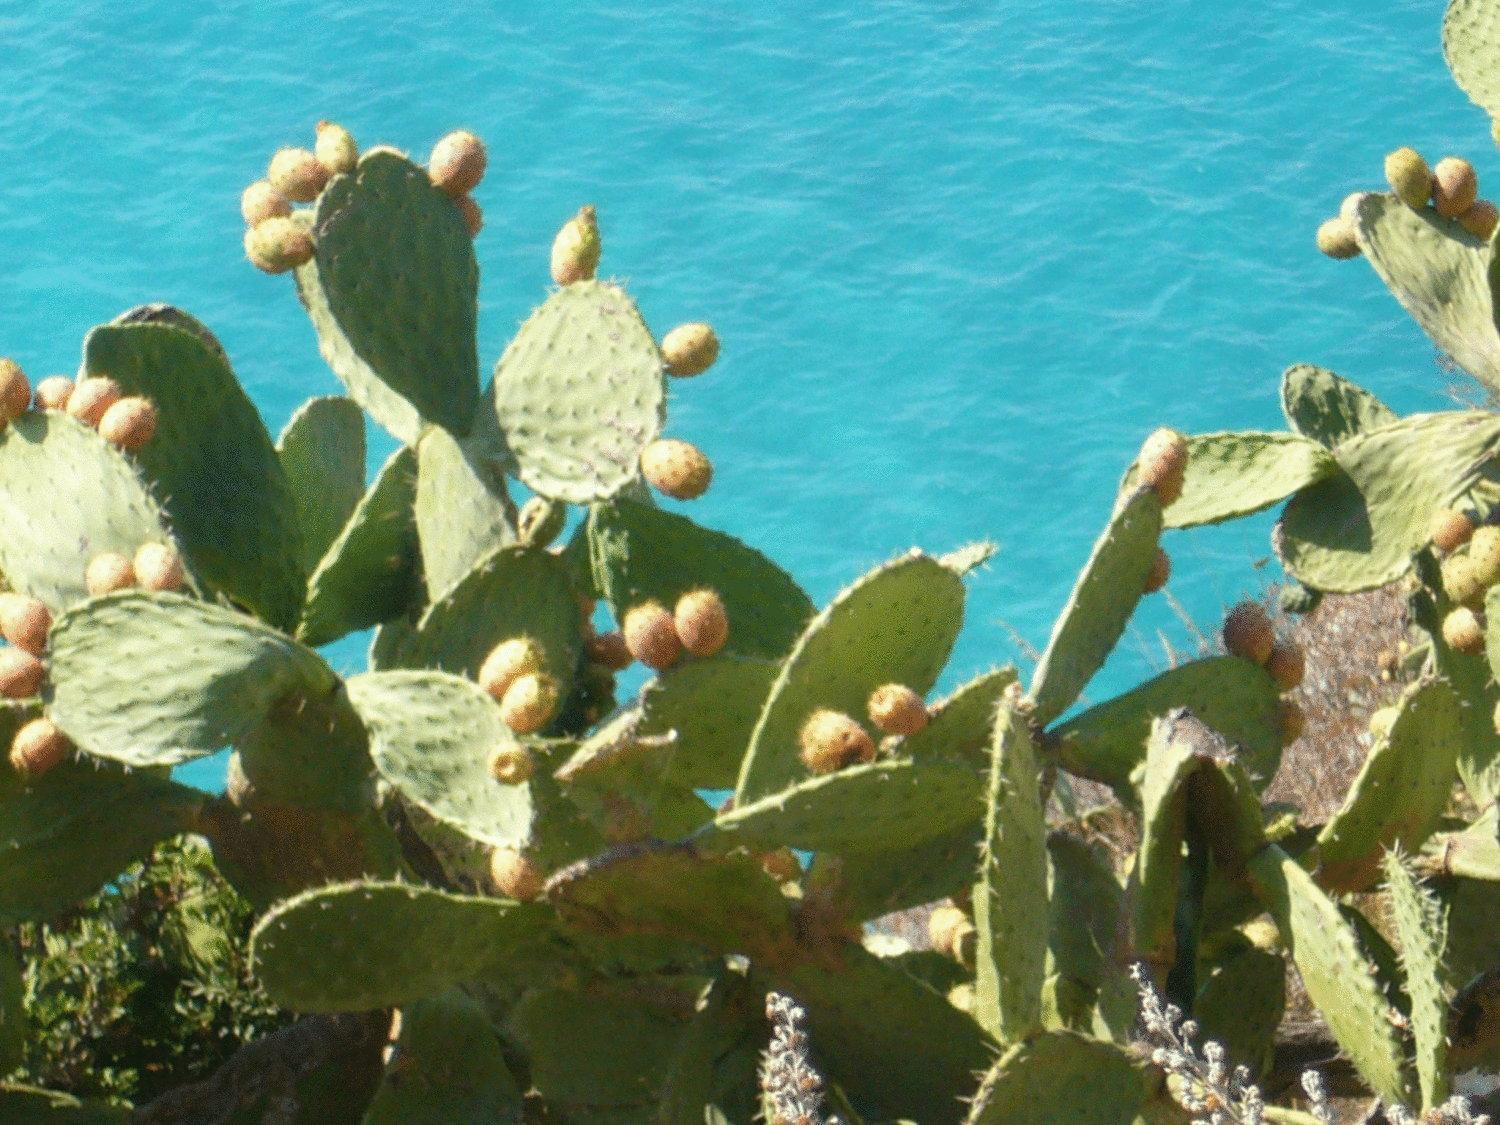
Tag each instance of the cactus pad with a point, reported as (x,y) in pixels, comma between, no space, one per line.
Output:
(463,511)
(212,461)
(1233,474)
(1104,597)
(1085,899)
(879,882)
(897,624)
(1421,931)
(962,725)
(1471,44)
(1158,863)
(158,679)
(392,295)
(322,454)
(1240,1003)
(1320,405)
(1060,1076)
(580,392)
(712,705)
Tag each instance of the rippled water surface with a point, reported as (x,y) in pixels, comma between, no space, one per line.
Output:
(962,256)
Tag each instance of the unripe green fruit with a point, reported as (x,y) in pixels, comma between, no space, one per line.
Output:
(1484,555)
(37,747)
(1461,580)
(1451,529)
(651,635)
(1161,570)
(701,621)
(1382,721)
(689,349)
(107,573)
(129,423)
(277,245)
(297,174)
(335,148)
(515,875)
(25,622)
(159,567)
(52,392)
(1287,664)
(91,397)
(1480,219)
(1163,464)
(260,201)
(457,163)
(15,390)
(1455,186)
(576,249)
(540,522)
(608,650)
(21,674)
(530,702)
(1248,633)
(1337,239)
(507,662)
(512,765)
(1409,177)
(896,709)
(676,468)
(1463,632)
(1293,721)
(831,740)
(472,213)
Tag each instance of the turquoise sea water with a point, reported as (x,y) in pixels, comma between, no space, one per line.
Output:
(962,256)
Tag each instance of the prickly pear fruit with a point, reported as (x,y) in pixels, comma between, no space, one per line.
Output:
(651,635)
(515,875)
(512,765)
(831,740)
(15,390)
(21,674)
(109,572)
(277,245)
(25,622)
(1461,580)
(896,709)
(1451,529)
(951,933)
(53,391)
(689,349)
(1409,176)
(261,201)
(1163,463)
(1495,718)
(91,397)
(540,522)
(530,702)
(1248,633)
(781,865)
(37,747)
(507,662)
(158,566)
(701,621)
(1480,219)
(1287,664)
(608,650)
(297,174)
(1463,631)
(1484,554)
(1161,570)
(129,423)
(1454,186)
(473,214)
(576,249)
(335,148)
(1293,721)
(1337,239)
(676,468)
(457,163)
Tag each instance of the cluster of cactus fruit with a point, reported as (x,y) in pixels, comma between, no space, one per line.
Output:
(476,837)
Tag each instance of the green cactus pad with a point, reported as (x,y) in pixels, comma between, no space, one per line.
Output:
(876,883)
(1471,44)
(1158,864)
(1233,474)
(355,946)
(372,572)
(1232,696)
(447,1065)
(962,725)
(1011,893)
(640,552)
(149,679)
(1320,405)
(897,624)
(309,749)
(712,705)
(1060,1076)
(1421,931)
(1104,597)
(1401,791)
(392,295)
(463,511)
(713,1072)
(432,736)
(580,392)
(1358,529)
(1085,899)
(1441,275)
(212,461)
(322,454)
(1473,853)
(1338,976)
(1240,1002)
(66,495)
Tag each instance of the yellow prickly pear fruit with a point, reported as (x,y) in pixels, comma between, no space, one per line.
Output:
(507,662)
(701,621)
(1163,464)
(129,423)
(576,249)
(37,747)
(457,163)
(21,674)
(1461,580)
(1480,219)
(335,148)
(261,201)
(297,174)
(831,740)
(91,397)
(1293,721)
(1409,176)
(1451,529)
(896,709)
(109,572)
(689,349)
(277,245)
(512,765)
(1463,631)
(1248,633)
(15,390)
(25,622)
(1287,664)
(1337,239)
(1484,555)
(515,875)
(472,213)
(951,933)
(1495,718)
(158,566)
(1455,186)
(608,650)
(677,469)
(1381,722)
(530,702)
(1161,570)
(651,635)
(781,865)
(52,392)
